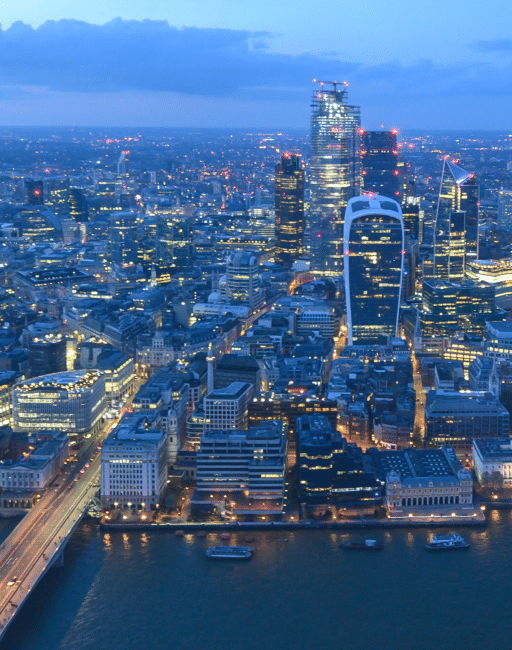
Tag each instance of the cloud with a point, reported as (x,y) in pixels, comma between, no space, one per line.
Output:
(494,45)
(149,56)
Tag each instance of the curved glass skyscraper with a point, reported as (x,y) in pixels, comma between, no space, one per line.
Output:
(335,172)
(374,242)
(456,227)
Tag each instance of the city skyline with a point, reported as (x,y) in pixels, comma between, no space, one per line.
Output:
(194,67)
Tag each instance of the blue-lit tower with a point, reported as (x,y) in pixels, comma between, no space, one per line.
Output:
(374,243)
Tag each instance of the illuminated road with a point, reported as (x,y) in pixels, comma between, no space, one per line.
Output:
(421,400)
(38,540)
(40,536)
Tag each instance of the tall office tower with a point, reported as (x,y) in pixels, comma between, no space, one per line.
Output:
(243,280)
(335,173)
(411,215)
(56,194)
(456,226)
(35,194)
(122,165)
(173,245)
(78,208)
(36,223)
(374,242)
(505,210)
(289,204)
(123,237)
(379,163)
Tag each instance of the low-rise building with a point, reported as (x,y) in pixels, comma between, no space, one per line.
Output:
(330,469)
(421,482)
(457,418)
(32,471)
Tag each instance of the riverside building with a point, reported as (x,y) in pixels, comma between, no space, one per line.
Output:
(133,465)
(72,401)
(424,482)
(248,464)
(492,457)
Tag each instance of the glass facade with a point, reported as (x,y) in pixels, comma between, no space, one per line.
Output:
(289,204)
(123,237)
(456,227)
(374,243)
(335,173)
(505,210)
(173,247)
(379,156)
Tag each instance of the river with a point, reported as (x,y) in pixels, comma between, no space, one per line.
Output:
(132,591)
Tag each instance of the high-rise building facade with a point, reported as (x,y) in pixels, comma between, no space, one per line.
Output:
(56,194)
(505,210)
(123,237)
(35,192)
(243,280)
(173,246)
(289,209)
(379,162)
(78,209)
(374,242)
(456,225)
(335,173)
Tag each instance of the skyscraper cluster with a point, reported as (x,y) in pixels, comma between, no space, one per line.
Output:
(364,221)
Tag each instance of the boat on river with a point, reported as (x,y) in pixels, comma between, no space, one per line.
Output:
(230,552)
(452,542)
(367,545)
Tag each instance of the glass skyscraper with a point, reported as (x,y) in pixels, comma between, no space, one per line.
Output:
(335,173)
(379,156)
(374,242)
(505,210)
(289,204)
(123,237)
(173,245)
(456,227)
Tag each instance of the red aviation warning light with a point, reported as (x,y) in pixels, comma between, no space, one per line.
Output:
(394,131)
(361,131)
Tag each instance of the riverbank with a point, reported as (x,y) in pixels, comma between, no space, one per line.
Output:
(360,524)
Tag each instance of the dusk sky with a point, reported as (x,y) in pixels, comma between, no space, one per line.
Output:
(426,65)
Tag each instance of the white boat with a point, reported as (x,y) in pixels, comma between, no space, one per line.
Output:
(230,552)
(452,542)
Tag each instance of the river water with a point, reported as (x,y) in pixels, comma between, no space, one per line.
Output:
(132,591)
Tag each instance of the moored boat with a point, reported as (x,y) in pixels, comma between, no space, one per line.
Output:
(230,552)
(367,545)
(452,542)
